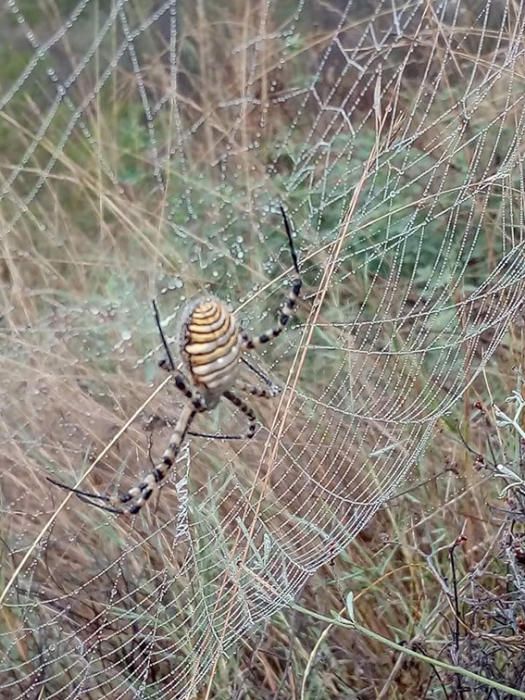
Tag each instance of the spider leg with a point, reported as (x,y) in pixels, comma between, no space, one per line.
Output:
(108,509)
(164,364)
(169,356)
(167,422)
(288,310)
(272,391)
(138,495)
(196,398)
(216,436)
(135,498)
(87,496)
(269,392)
(266,379)
(247,410)
(261,392)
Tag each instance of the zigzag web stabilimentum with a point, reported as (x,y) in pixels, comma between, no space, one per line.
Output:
(146,148)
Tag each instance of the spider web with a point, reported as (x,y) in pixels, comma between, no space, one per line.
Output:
(145,150)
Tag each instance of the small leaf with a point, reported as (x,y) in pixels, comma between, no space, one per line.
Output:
(350,605)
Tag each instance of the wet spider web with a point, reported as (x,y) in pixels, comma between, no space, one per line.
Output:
(145,150)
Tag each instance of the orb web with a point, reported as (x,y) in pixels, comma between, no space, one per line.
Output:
(145,150)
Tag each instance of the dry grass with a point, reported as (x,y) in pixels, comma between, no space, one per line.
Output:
(77,327)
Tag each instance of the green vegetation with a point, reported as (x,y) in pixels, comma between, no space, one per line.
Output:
(409,234)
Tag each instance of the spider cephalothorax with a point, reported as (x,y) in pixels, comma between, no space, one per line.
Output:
(211,346)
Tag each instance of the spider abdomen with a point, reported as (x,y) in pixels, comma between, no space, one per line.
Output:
(210,345)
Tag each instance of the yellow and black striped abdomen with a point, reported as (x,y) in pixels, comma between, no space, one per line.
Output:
(210,344)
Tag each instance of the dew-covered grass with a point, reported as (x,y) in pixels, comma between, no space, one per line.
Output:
(101,237)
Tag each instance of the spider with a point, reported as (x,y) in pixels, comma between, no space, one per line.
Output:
(211,345)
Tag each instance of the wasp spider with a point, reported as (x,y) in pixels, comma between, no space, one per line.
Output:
(211,345)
